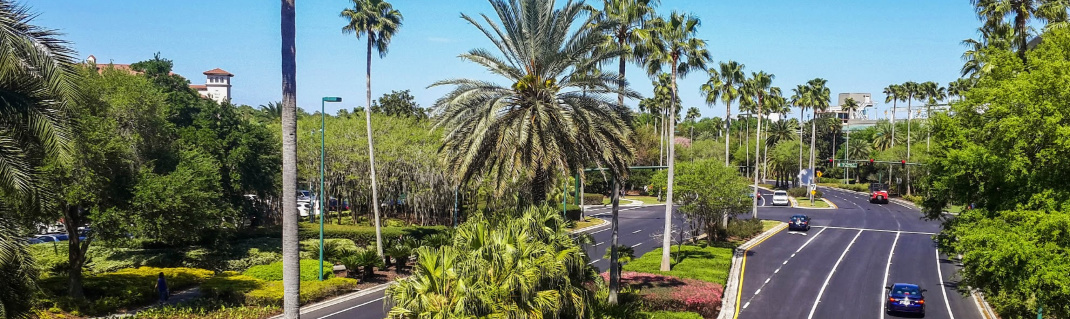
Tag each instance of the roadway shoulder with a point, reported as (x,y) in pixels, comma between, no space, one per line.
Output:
(731,290)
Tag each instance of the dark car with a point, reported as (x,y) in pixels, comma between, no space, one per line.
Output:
(799,222)
(334,207)
(905,298)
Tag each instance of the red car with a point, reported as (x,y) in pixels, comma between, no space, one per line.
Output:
(879,197)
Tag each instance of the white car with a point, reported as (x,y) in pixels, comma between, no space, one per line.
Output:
(303,207)
(780,198)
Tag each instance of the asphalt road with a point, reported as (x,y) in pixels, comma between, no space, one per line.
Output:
(640,227)
(840,267)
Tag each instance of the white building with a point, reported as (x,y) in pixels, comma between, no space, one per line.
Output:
(216,87)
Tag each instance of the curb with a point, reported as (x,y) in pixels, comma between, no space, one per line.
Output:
(305,310)
(732,287)
(603,224)
(982,306)
(795,204)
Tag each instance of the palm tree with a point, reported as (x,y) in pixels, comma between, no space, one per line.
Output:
(913,91)
(692,114)
(18,273)
(37,80)
(893,93)
(271,111)
(819,101)
(993,12)
(759,87)
(623,18)
(291,274)
(377,21)
(801,99)
(884,138)
(673,43)
(542,123)
(724,85)
(958,88)
(934,93)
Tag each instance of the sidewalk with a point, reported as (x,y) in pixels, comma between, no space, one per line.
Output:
(176,298)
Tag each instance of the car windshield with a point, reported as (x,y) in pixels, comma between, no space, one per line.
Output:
(906,290)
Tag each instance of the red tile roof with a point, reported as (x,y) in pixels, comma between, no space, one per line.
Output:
(198,87)
(120,67)
(217,71)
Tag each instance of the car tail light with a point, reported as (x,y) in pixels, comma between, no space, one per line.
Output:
(921,302)
(891,299)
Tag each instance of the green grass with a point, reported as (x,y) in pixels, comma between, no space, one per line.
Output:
(805,202)
(649,200)
(670,315)
(607,200)
(591,221)
(710,264)
(955,209)
(769,224)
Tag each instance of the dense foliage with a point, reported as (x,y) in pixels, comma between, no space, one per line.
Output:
(710,193)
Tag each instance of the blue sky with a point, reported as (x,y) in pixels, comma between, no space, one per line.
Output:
(858,46)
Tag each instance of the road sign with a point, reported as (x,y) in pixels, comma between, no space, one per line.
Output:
(847,165)
(813,187)
(813,192)
(819,174)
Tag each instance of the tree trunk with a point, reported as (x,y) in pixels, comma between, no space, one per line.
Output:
(371,154)
(666,243)
(800,137)
(727,129)
(906,170)
(291,274)
(538,186)
(76,249)
(757,158)
(813,137)
(614,268)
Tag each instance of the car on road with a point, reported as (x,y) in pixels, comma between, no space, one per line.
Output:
(780,198)
(879,197)
(905,298)
(799,222)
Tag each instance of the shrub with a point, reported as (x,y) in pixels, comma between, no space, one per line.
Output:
(592,199)
(660,292)
(364,259)
(393,222)
(273,271)
(672,315)
(797,191)
(914,199)
(573,212)
(744,228)
(208,309)
(270,294)
(334,249)
(123,289)
(365,235)
(229,287)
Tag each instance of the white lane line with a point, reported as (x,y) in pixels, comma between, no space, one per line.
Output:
(942,288)
(353,307)
(746,304)
(829,277)
(592,233)
(757,291)
(880,230)
(600,243)
(887,269)
(633,246)
(777,271)
(594,261)
(638,230)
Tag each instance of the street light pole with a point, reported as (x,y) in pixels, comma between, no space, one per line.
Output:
(323,133)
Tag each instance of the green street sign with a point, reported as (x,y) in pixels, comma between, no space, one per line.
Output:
(847,165)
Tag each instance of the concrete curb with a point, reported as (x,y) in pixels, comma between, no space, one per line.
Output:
(307,309)
(603,224)
(731,290)
(982,306)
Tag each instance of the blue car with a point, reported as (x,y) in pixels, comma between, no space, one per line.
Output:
(799,222)
(905,298)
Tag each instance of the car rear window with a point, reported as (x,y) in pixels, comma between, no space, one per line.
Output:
(906,290)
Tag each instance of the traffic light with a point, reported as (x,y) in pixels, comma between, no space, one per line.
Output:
(903,163)
(830,162)
(871,162)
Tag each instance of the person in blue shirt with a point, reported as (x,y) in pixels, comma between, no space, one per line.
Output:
(161,287)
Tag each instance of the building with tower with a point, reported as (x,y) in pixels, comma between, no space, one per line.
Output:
(216,86)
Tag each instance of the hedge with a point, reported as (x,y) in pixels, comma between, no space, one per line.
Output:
(365,235)
(251,291)
(109,292)
(593,199)
(273,271)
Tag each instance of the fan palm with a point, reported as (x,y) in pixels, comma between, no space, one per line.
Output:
(673,42)
(934,93)
(850,105)
(781,131)
(541,123)
(913,91)
(291,274)
(993,12)
(377,21)
(884,138)
(692,114)
(37,80)
(893,93)
(724,85)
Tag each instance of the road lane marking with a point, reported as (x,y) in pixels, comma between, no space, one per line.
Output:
(636,231)
(594,261)
(777,271)
(757,291)
(592,233)
(880,230)
(743,271)
(829,277)
(887,269)
(745,305)
(600,243)
(353,307)
(942,288)
(633,246)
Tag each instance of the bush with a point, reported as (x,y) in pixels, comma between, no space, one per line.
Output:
(744,228)
(273,271)
(593,199)
(208,309)
(230,288)
(797,191)
(573,212)
(672,315)
(365,235)
(109,292)
(270,294)
(914,199)
(661,292)
(363,261)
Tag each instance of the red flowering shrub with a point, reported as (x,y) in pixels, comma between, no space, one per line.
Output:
(674,294)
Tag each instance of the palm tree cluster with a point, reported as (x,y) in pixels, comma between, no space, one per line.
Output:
(1007,25)
(522,267)
(929,92)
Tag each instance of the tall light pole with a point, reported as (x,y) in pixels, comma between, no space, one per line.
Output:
(323,133)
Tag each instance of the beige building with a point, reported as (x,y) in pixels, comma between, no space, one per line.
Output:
(216,86)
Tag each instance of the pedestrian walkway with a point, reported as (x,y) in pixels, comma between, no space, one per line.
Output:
(176,298)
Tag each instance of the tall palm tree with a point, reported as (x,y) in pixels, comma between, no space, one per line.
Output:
(673,42)
(801,99)
(623,18)
(271,110)
(893,93)
(994,12)
(934,93)
(541,123)
(377,21)
(692,114)
(819,102)
(758,87)
(291,269)
(37,80)
(724,85)
(850,105)
(913,91)
(884,138)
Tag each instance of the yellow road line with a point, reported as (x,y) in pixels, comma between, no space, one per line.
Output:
(743,269)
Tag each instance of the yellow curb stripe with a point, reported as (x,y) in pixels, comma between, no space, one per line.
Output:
(743,268)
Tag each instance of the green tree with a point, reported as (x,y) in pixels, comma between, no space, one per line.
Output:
(818,99)
(1052,13)
(758,88)
(934,93)
(504,266)
(709,191)
(673,43)
(542,123)
(399,103)
(271,111)
(377,21)
(800,99)
(724,84)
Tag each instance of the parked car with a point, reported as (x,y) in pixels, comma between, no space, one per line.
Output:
(907,298)
(799,222)
(780,198)
(34,240)
(879,197)
(45,238)
(304,208)
(304,195)
(333,205)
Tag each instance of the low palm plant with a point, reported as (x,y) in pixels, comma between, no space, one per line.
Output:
(400,251)
(364,260)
